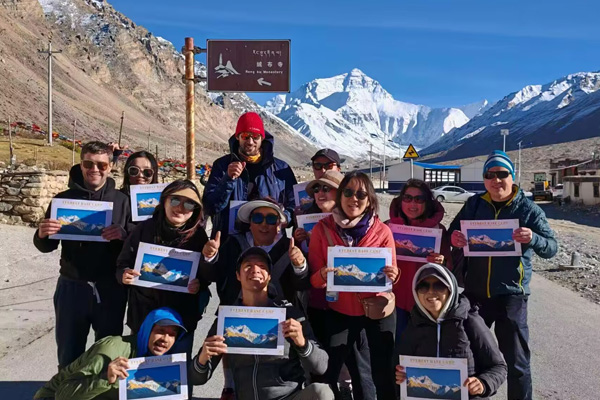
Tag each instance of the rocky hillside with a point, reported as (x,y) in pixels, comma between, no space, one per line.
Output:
(109,64)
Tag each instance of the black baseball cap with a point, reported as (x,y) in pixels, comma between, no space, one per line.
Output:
(255,251)
(170,322)
(330,154)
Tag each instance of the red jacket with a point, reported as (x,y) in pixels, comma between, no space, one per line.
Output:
(378,235)
(408,269)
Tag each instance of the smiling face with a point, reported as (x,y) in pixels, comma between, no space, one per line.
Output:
(177,215)
(352,206)
(263,233)
(499,189)
(94,178)
(413,210)
(141,163)
(433,300)
(250,146)
(326,201)
(254,274)
(162,339)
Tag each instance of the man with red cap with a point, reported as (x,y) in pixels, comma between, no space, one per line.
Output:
(249,172)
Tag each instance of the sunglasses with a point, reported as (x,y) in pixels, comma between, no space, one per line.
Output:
(134,171)
(320,165)
(326,189)
(258,218)
(89,164)
(438,287)
(360,194)
(248,135)
(189,205)
(496,174)
(407,198)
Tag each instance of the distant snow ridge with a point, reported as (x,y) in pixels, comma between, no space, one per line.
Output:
(349,112)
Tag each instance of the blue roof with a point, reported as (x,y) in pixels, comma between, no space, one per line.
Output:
(436,166)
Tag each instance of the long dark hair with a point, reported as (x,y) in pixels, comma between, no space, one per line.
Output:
(363,178)
(130,159)
(426,191)
(189,229)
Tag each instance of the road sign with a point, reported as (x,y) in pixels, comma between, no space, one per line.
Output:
(411,152)
(248,65)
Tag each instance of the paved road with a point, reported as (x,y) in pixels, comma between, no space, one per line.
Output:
(565,329)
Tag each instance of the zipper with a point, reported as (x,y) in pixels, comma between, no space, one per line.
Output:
(254,375)
(489,278)
(439,328)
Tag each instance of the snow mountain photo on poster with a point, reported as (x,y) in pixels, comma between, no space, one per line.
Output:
(424,387)
(251,333)
(490,240)
(165,270)
(352,275)
(81,222)
(154,382)
(413,245)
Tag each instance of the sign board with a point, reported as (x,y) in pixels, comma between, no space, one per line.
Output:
(248,65)
(411,152)
(539,177)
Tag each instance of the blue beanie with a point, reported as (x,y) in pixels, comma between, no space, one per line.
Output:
(498,158)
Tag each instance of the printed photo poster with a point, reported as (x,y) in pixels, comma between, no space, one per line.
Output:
(308,221)
(160,377)
(252,330)
(414,243)
(491,238)
(358,269)
(81,220)
(301,198)
(234,207)
(434,378)
(165,268)
(144,199)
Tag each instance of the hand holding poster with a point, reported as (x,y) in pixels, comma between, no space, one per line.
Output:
(163,377)
(491,238)
(414,243)
(308,221)
(301,198)
(165,268)
(81,220)
(358,269)
(433,378)
(252,330)
(144,199)
(234,207)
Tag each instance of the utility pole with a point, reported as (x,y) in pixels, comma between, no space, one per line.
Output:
(73,150)
(148,139)
(121,128)
(50,55)
(11,160)
(504,133)
(520,163)
(383,176)
(156,152)
(371,161)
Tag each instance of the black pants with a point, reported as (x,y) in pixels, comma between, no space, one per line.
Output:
(345,331)
(509,314)
(77,308)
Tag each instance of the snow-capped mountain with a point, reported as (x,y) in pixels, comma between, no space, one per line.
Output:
(349,112)
(564,110)
(148,203)
(352,274)
(245,333)
(425,387)
(162,271)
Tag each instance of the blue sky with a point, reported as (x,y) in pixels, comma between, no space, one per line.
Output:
(432,52)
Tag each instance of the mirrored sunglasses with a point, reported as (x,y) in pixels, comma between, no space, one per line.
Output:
(189,205)
(134,171)
(327,166)
(496,174)
(258,218)
(247,135)
(89,164)
(360,194)
(407,198)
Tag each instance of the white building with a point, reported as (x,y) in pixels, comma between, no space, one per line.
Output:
(582,189)
(469,177)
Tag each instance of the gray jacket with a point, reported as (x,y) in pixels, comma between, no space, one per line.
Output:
(269,377)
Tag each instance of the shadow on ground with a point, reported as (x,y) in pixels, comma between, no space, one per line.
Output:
(23,390)
(589,216)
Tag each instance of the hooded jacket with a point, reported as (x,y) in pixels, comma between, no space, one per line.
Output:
(142,300)
(378,235)
(494,276)
(89,261)
(459,332)
(85,378)
(273,178)
(408,269)
(268,377)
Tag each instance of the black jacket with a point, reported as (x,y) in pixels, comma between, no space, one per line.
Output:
(462,333)
(89,261)
(142,300)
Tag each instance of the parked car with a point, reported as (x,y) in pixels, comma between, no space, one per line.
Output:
(557,191)
(451,193)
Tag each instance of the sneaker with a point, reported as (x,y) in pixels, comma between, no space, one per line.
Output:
(227,394)
(346,392)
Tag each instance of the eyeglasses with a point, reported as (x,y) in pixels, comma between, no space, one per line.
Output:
(360,194)
(134,171)
(496,174)
(247,135)
(326,189)
(189,205)
(419,199)
(89,164)
(437,286)
(320,165)
(258,218)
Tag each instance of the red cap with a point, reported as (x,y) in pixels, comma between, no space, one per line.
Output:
(250,122)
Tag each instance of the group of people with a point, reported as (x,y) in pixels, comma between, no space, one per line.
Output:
(441,307)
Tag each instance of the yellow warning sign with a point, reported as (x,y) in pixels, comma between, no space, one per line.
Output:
(411,152)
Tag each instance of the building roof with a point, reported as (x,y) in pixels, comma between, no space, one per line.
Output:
(436,166)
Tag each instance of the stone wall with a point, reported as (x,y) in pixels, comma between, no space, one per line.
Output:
(24,196)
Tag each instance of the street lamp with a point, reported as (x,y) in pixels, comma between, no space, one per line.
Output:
(504,133)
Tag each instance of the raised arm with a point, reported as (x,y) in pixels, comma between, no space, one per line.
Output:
(218,189)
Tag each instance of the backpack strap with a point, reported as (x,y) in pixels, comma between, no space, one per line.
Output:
(329,238)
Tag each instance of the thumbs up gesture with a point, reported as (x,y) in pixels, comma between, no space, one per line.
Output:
(211,248)
(296,256)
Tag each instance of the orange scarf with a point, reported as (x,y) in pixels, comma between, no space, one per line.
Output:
(251,159)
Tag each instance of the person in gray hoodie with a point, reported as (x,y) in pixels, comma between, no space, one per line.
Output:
(279,377)
(444,324)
